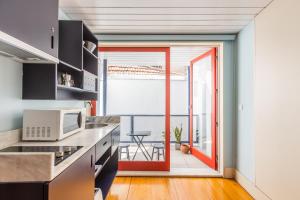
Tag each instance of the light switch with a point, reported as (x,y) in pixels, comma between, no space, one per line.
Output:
(241,107)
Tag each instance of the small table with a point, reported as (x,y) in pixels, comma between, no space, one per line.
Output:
(138,137)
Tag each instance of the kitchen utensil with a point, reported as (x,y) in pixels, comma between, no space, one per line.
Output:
(90,45)
(67,80)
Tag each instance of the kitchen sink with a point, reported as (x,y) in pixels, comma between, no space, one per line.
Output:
(91,126)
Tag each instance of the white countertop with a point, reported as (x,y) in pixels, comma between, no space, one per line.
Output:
(86,138)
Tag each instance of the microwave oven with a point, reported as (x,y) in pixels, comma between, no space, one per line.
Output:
(52,125)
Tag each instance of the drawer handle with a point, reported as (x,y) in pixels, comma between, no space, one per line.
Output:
(104,143)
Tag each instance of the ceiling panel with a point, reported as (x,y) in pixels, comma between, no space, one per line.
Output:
(164,31)
(160,17)
(168,16)
(164,11)
(92,23)
(165,3)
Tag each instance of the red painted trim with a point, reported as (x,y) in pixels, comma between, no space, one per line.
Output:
(148,165)
(94,108)
(142,166)
(211,162)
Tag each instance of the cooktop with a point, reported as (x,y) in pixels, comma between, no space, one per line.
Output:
(61,152)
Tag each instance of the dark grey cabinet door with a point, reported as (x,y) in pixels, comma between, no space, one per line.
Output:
(77,182)
(34,22)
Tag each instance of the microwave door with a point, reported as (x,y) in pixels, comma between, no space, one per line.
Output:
(72,122)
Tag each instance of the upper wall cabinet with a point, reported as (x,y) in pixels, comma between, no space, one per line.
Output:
(29,30)
(74,40)
(76,75)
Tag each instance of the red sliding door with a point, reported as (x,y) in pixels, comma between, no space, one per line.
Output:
(203,107)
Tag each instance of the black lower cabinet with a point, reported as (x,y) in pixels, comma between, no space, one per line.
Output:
(77,182)
(105,179)
(24,191)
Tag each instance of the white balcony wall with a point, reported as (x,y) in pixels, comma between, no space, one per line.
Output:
(147,97)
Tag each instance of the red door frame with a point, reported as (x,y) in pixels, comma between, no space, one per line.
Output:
(149,165)
(211,162)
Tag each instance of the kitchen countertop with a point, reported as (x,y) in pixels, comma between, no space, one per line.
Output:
(86,138)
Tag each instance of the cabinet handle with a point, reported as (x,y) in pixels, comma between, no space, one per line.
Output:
(52,37)
(104,143)
(91,161)
(52,42)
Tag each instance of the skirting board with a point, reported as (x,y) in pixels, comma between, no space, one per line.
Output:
(250,187)
(229,172)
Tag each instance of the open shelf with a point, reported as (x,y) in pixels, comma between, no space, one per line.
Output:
(90,62)
(63,87)
(66,65)
(89,52)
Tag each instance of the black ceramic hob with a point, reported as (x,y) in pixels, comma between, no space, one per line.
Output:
(61,152)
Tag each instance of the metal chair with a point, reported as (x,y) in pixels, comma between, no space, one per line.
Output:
(159,149)
(126,147)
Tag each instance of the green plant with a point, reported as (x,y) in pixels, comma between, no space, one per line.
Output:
(177,133)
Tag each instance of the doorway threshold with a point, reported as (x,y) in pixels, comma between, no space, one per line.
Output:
(174,172)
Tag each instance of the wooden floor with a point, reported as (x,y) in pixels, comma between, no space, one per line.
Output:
(151,188)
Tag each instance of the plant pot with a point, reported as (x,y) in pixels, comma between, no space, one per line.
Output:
(177,146)
(185,148)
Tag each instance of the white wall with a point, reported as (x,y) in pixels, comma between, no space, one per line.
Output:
(277,100)
(11,103)
(244,102)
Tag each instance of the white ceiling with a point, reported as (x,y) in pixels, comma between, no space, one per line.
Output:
(164,16)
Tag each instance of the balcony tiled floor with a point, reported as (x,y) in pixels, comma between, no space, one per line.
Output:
(178,159)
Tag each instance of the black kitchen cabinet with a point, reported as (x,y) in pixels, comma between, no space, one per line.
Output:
(24,191)
(109,162)
(44,81)
(40,81)
(34,22)
(77,182)
(72,35)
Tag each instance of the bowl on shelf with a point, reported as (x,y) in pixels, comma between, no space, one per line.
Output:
(90,45)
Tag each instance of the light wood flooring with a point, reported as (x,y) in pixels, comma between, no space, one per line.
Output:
(154,188)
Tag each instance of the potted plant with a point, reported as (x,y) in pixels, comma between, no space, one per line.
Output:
(177,133)
(185,148)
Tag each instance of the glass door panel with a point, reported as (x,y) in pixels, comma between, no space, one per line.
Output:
(137,85)
(203,107)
